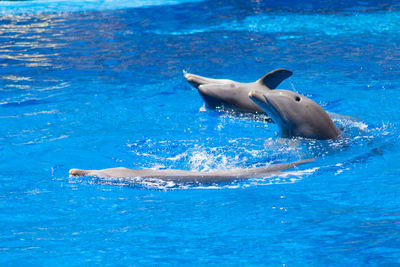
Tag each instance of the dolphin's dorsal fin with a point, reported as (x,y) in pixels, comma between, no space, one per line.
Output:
(275,77)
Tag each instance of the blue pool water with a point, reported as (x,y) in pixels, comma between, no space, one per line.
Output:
(99,84)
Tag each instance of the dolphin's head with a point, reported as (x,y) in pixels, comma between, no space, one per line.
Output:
(295,114)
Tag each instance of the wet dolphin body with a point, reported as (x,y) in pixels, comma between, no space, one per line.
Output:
(295,114)
(182,176)
(234,95)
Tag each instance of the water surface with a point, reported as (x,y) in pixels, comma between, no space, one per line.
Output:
(98,84)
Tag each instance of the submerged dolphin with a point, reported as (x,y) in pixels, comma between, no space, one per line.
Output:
(182,176)
(234,95)
(295,114)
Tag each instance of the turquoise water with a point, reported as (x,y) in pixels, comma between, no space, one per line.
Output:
(99,84)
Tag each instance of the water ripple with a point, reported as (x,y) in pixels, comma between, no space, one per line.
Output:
(288,26)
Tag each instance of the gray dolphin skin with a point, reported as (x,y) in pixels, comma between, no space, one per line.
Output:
(181,176)
(295,114)
(233,95)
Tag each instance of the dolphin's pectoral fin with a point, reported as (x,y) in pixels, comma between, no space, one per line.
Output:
(275,77)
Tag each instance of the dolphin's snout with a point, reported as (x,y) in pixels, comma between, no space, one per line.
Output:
(78,172)
(256,95)
(252,94)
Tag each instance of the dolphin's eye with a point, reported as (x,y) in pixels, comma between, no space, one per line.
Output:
(297,98)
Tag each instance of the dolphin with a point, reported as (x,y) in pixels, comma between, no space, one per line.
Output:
(295,114)
(182,176)
(233,95)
